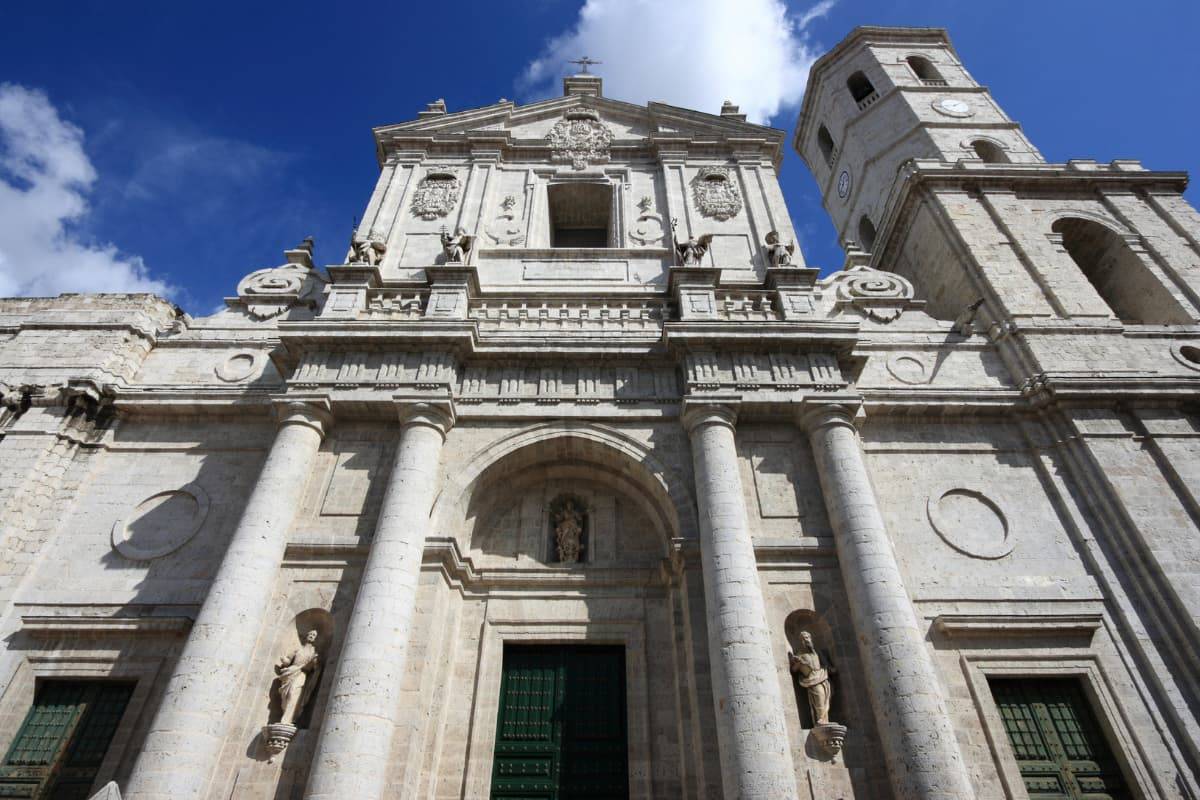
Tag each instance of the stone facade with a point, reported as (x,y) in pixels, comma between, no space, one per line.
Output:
(573,385)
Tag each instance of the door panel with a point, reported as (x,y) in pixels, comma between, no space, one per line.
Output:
(561,732)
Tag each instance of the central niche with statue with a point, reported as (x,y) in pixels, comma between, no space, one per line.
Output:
(568,530)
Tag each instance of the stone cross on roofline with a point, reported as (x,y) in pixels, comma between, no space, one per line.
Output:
(584,63)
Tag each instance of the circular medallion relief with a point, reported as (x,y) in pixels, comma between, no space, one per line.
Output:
(161,524)
(952,107)
(1187,354)
(843,184)
(970,522)
(238,367)
(909,369)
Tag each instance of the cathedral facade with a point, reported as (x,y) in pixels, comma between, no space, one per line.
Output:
(575,481)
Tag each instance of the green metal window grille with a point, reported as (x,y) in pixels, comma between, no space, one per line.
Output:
(1058,744)
(61,744)
(561,733)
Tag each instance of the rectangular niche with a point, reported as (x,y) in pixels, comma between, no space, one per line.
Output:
(350,482)
(775,481)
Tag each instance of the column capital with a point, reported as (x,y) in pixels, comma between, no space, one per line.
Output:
(699,413)
(311,411)
(436,414)
(813,416)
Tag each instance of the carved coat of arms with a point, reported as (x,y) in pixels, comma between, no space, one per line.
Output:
(436,194)
(716,194)
(580,138)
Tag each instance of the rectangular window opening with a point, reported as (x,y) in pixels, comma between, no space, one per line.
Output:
(1058,743)
(60,746)
(580,214)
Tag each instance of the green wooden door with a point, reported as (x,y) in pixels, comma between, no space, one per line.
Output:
(60,746)
(561,732)
(1059,746)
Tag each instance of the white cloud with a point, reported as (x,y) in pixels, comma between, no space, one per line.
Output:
(45,179)
(690,53)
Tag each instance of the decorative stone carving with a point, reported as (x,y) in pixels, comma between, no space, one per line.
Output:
(365,250)
(456,246)
(880,295)
(580,138)
(779,254)
(239,366)
(569,519)
(716,194)
(506,228)
(909,369)
(297,674)
(691,252)
(813,677)
(437,193)
(970,522)
(267,293)
(161,524)
(648,229)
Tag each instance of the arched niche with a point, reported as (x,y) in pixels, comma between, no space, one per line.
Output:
(808,620)
(310,619)
(1134,292)
(571,454)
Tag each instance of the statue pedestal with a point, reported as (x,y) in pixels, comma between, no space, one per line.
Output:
(278,735)
(830,737)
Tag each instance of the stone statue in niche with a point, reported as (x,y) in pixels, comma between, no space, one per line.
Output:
(297,674)
(778,253)
(568,518)
(691,252)
(365,250)
(813,676)
(456,246)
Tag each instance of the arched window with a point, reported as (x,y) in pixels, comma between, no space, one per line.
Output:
(861,89)
(989,152)
(1131,289)
(825,142)
(866,233)
(925,71)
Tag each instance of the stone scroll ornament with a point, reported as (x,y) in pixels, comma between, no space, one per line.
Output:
(437,193)
(579,139)
(813,676)
(715,192)
(882,296)
(267,293)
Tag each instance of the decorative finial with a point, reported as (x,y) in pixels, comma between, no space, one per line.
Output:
(584,63)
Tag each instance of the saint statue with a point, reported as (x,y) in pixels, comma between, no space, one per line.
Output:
(568,533)
(813,677)
(456,246)
(365,250)
(779,254)
(692,251)
(298,677)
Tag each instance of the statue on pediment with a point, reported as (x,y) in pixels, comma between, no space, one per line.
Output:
(456,246)
(691,252)
(778,253)
(367,250)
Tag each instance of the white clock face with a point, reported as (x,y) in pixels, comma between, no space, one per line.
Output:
(953,107)
(843,184)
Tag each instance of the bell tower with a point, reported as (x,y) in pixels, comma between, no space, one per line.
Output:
(887,95)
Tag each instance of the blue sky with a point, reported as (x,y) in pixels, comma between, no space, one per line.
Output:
(176,147)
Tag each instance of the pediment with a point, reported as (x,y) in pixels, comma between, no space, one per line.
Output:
(534,121)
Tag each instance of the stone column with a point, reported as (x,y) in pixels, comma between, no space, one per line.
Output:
(756,760)
(183,743)
(919,744)
(352,754)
